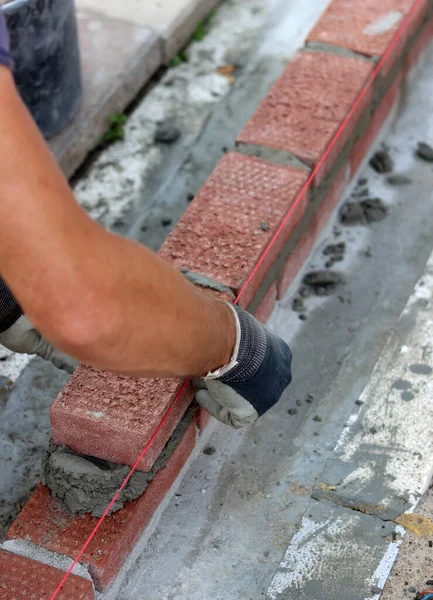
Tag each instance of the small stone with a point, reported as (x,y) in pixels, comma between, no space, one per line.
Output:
(309,399)
(298,403)
(376,590)
(298,305)
(430,544)
(266,553)
(303,317)
(264,226)
(425,151)
(323,282)
(411,590)
(359,402)
(382,162)
(317,419)
(209,450)
(167,134)
(190,197)
(166,222)
(362,181)
(203,491)
(292,411)
(399,179)
(143,228)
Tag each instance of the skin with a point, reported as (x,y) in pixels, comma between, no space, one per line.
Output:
(105,300)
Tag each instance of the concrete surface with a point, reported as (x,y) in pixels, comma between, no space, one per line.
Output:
(173,20)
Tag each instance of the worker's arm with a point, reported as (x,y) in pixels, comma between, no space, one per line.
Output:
(112,303)
(105,300)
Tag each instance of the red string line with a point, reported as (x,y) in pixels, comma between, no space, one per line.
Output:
(370,79)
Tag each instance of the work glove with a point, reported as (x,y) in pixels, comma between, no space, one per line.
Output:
(255,379)
(23,338)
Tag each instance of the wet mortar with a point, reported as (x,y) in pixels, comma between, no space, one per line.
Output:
(87,485)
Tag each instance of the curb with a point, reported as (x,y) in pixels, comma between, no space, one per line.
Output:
(250,228)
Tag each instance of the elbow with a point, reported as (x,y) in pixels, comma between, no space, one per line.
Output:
(84,333)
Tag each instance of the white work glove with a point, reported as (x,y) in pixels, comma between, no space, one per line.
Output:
(255,379)
(23,338)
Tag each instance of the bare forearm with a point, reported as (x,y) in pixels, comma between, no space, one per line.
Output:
(105,300)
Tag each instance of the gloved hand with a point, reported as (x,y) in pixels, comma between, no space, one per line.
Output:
(23,338)
(254,381)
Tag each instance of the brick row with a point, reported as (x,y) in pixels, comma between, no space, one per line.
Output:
(25,579)
(45,522)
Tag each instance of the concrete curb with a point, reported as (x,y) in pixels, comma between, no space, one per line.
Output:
(121,51)
(223,235)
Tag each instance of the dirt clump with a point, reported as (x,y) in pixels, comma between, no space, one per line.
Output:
(399,179)
(323,282)
(335,253)
(425,151)
(382,162)
(367,211)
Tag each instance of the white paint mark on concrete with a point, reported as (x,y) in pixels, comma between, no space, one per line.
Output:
(384,569)
(383,24)
(396,423)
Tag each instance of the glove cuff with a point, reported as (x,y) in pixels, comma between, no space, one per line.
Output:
(234,360)
(250,350)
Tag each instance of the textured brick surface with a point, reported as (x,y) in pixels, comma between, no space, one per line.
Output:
(229,225)
(117,59)
(364,143)
(114,417)
(45,522)
(267,305)
(305,108)
(367,27)
(25,579)
(303,248)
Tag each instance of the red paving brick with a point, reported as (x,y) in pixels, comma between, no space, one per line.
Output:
(25,579)
(228,226)
(367,27)
(305,245)
(305,108)
(363,145)
(202,419)
(114,417)
(267,305)
(45,522)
